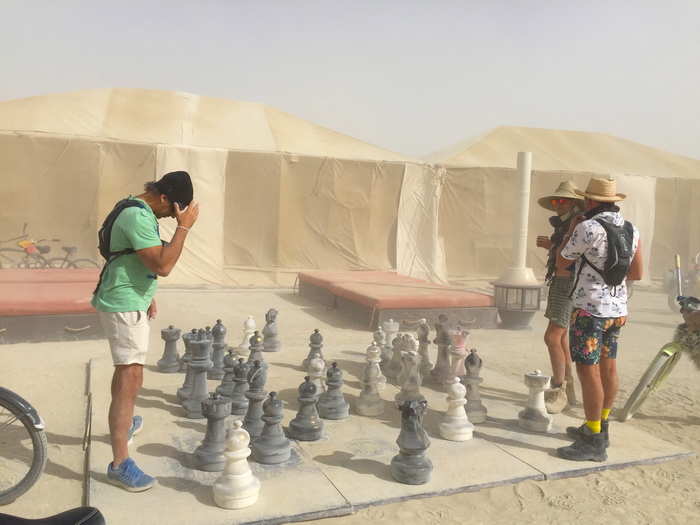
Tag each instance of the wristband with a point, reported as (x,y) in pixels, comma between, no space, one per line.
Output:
(182,228)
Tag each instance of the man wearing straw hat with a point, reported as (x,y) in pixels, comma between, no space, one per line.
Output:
(567,204)
(600,311)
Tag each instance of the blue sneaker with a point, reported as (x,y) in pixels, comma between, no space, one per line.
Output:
(129,477)
(136,426)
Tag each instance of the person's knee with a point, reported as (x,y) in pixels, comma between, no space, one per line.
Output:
(130,377)
(554,335)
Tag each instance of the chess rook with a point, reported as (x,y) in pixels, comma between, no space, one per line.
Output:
(209,456)
(534,416)
(170,362)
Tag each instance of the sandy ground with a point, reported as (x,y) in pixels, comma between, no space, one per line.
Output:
(52,376)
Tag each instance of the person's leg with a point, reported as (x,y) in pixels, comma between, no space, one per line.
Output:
(592,392)
(126,383)
(553,337)
(568,369)
(608,363)
(586,342)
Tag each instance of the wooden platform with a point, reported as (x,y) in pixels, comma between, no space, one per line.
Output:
(48,305)
(371,297)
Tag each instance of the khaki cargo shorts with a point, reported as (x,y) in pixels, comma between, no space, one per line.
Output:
(128,334)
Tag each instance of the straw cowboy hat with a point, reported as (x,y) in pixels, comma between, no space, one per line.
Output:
(565,190)
(602,190)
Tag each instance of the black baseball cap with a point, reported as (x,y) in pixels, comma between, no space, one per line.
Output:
(177,187)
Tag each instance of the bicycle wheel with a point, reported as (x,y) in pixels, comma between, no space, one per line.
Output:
(57,262)
(32,262)
(83,263)
(22,451)
(659,368)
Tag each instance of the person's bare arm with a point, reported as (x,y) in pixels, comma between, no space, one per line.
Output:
(161,259)
(636,269)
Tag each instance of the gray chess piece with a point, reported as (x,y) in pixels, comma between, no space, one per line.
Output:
(306,425)
(227,383)
(315,348)
(272,447)
(476,411)
(252,422)
(218,351)
(370,403)
(411,465)
(410,389)
(239,402)
(423,333)
(332,404)
(534,416)
(393,368)
(442,371)
(209,456)
(200,364)
(170,362)
(207,335)
(185,390)
(256,351)
(271,341)
(391,330)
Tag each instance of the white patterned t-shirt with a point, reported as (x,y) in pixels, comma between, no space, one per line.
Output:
(591,293)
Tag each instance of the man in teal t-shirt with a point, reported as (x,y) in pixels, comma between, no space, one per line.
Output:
(124,301)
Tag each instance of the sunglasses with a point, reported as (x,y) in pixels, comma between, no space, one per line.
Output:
(557,202)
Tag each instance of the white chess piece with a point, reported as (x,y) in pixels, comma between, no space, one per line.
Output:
(374,353)
(317,373)
(455,424)
(237,487)
(248,331)
(534,416)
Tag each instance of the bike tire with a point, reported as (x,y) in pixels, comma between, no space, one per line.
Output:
(83,263)
(39,453)
(57,262)
(657,371)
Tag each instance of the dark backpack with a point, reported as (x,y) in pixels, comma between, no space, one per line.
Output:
(104,235)
(620,254)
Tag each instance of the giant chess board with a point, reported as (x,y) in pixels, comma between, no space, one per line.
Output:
(349,467)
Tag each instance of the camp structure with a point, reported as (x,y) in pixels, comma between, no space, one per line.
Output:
(479,195)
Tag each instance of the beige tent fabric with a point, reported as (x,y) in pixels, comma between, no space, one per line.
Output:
(177,118)
(420,249)
(575,151)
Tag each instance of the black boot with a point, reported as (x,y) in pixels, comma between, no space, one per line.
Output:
(575,432)
(587,447)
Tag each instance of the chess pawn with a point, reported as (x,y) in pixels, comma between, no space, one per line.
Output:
(534,416)
(200,364)
(370,402)
(272,447)
(393,368)
(237,487)
(271,340)
(227,383)
(411,465)
(252,422)
(442,372)
(316,371)
(315,348)
(410,389)
(170,362)
(239,402)
(209,456)
(391,329)
(256,350)
(248,331)
(306,425)
(458,353)
(185,390)
(207,334)
(219,350)
(374,350)
(476,411)
(332,404)
(455,425)
(423,334)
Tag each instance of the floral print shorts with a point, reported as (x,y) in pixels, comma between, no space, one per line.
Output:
(591,338)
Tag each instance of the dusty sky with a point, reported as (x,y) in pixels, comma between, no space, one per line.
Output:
(411,76)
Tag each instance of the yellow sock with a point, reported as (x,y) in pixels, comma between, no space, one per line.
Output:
(604,415)
(594,426)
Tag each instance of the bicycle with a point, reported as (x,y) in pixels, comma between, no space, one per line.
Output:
(685,340)
(67,262)
(30,253)
(23,447)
